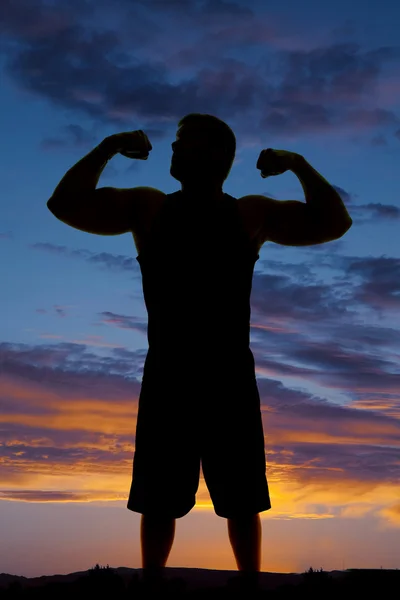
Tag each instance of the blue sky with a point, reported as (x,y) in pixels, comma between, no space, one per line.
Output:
(319,79)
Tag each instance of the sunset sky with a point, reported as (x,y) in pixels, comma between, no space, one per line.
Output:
(316,78)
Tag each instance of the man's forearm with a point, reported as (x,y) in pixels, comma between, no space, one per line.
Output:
(321,196)
(85,174)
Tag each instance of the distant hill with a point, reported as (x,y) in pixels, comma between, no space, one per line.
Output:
(380,580)
(195,578)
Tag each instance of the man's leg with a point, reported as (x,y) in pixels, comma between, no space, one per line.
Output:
(157,536)
(245,538)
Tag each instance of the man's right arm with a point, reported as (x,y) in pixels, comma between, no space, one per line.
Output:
(103,211)
(82,179)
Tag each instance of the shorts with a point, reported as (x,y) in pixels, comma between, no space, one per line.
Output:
(177,430)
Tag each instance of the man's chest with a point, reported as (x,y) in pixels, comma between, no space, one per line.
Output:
(199,228)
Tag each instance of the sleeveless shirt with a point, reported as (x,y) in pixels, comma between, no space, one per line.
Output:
(197,269)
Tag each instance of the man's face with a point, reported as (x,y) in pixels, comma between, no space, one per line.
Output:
(193,155)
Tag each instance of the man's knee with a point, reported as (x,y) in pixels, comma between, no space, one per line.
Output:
(244,518)
(157,518)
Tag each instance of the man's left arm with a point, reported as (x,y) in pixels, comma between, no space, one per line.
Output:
(322,198)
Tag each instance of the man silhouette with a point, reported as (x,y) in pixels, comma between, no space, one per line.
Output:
(197,247)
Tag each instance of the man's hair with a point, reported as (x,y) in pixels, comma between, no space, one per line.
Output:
(224,136)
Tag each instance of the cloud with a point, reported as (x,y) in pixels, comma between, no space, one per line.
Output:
(379,282)
(58,496)
(112,262)
(383,211)
(392,514)
(83,367)
(74,136)
(33,19)
(136,70)
(295,294)
(125,322)
(275,294)
(324,464)
(373,213)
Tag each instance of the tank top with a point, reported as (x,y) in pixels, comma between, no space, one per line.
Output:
(197,269)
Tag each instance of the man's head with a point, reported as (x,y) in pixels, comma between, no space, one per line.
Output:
(204,150)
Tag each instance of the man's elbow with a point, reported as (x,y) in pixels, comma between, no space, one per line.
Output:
(347,224)
(54,206)
(343,228)
(60,207)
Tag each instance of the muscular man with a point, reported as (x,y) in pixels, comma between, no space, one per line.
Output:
(197,248)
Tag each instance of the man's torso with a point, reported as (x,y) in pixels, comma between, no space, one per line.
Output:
(197,264)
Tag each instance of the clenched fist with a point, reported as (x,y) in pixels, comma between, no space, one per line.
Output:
(132,144)
(275,162)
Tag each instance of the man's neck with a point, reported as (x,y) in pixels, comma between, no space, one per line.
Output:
(205,194)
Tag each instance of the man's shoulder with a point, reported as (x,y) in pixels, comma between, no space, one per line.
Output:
(149,199)
(251,204)
(148,194)
(150,202)
(251,199)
